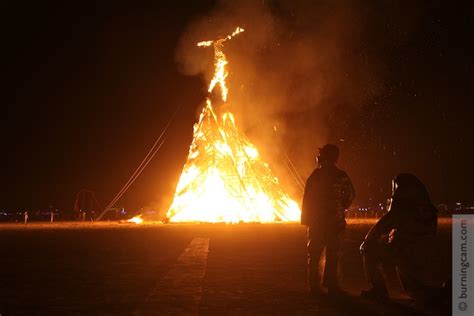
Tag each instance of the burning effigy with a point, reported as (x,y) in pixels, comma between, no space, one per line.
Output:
(224,178)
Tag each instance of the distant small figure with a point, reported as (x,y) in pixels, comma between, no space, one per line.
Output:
(402,236)
(328,193)
(52,216)
(25,217)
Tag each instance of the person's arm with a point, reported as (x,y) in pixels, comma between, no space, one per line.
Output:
(307,201)
(349,191)
(382,227)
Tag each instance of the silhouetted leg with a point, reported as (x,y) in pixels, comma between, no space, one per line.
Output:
(373,257)
(333,255)
(414,270)
(315,248)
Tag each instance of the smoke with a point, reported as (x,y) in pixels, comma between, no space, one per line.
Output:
(296,73)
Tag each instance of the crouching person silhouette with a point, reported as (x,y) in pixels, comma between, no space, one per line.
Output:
(402,237)
(328,192)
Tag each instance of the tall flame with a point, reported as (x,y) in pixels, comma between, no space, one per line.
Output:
(224,179)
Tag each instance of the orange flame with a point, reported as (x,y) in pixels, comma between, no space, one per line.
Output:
(224,178)
(137,219)
(220,62)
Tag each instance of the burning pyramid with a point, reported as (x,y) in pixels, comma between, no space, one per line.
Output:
(224,178)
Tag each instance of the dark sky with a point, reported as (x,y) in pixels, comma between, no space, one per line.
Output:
(90,86)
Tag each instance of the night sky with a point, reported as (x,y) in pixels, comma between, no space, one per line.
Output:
(90,86)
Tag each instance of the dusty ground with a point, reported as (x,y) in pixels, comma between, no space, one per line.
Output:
(113,269)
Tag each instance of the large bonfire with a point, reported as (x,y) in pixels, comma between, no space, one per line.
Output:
(224,178)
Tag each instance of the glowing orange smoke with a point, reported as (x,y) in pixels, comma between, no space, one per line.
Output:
(224,178)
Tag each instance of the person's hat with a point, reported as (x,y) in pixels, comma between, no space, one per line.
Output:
(329,153)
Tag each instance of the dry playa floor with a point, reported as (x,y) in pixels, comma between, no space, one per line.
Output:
(176,269)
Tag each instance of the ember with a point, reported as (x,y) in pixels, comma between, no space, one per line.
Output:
(224,178)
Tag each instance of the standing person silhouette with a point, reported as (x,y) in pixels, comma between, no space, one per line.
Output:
(328,193)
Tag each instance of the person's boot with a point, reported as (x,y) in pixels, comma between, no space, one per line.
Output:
(316,292)
(314,281)
(337,292)
(375,294)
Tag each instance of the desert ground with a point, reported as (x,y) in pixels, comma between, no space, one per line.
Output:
(206,269)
